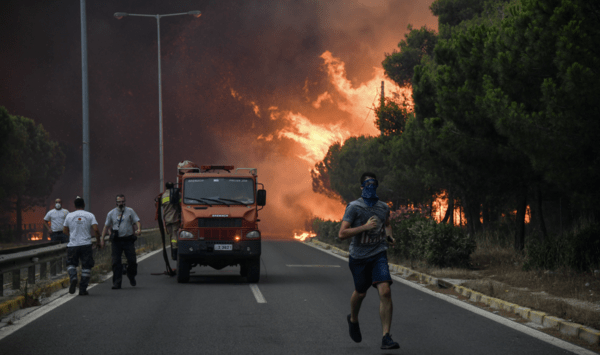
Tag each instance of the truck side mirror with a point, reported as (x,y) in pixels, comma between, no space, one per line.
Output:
(261,197)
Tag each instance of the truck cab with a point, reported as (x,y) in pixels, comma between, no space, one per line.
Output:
(219,220)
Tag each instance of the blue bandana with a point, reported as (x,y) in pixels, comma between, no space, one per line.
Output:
(369,192)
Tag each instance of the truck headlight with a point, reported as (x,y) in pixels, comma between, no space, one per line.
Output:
(253,235)
(186,235)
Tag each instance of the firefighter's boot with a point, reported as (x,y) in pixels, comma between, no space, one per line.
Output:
(174,249)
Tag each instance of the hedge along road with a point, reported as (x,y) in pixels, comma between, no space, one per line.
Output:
(299,306)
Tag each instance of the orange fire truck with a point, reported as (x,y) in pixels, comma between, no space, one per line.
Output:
(219,219)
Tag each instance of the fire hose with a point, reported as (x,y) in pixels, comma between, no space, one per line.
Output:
(161,226)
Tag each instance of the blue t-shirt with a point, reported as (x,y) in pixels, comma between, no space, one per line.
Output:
(370,242)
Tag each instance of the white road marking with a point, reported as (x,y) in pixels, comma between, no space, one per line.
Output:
(496,318)
(313,266)
(257,294)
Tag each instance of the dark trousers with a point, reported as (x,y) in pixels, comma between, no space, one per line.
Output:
(86,255)
(118,248)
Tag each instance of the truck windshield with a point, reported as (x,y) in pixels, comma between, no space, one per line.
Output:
(218,191)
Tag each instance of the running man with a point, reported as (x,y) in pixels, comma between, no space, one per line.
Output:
(367,222)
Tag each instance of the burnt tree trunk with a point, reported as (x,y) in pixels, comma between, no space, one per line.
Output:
(472,213)
(449,216)
(520,219)
(539,212)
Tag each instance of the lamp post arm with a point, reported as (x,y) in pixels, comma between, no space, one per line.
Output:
(177,14)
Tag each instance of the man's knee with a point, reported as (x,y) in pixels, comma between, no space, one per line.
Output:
(360,295)
(384,290)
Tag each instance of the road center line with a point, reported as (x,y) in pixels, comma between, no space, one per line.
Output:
(257,294)
(312,265)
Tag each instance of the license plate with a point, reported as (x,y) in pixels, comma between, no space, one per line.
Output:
(223,247)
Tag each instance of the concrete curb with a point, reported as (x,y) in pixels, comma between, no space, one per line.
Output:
(590,335)
(16,303)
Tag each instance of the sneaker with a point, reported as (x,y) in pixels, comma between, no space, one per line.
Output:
(83,293)
(72,286)
(116,287)
(388,343)
(354,331)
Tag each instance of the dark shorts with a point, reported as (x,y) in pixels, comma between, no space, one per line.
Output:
(370,271)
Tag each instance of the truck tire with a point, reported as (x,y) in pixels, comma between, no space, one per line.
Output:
(253,270)
(183,271)
(243,270)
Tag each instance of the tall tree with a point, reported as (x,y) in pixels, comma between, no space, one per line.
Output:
(545,95)
(40,161)
(399,65)
(453,12)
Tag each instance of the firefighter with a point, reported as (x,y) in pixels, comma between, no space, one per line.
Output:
(171,212)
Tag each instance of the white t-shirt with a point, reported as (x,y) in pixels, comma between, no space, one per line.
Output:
(56,218)
(80,224)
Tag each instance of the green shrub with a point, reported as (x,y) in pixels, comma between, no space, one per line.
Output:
(578,250)
(327,232)
(441,244)
(406,246)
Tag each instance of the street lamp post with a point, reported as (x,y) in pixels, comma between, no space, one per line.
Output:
(120,15)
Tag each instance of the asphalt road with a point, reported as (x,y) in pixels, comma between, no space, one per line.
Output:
(306,294)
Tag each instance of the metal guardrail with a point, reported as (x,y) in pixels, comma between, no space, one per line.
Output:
(28,259)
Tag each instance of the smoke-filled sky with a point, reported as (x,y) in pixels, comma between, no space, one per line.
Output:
(265,84)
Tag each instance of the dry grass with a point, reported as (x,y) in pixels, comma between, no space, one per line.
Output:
(498,272)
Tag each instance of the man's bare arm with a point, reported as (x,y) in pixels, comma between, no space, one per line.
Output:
(48,225)
(97,234)
(66,231)
(347,232)
(388,232)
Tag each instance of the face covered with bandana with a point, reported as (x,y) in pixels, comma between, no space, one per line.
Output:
(369,192)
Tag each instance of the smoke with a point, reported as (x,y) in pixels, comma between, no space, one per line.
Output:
(264,84)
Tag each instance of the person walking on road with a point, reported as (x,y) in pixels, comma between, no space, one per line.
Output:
(77,227)
(54,221)
(367,222)
(120,221)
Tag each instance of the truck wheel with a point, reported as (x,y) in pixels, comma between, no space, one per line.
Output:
(243,270)
(253,270)
(183,271)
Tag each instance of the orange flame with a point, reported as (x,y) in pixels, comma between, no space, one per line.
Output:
(36,236)
(304,235)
